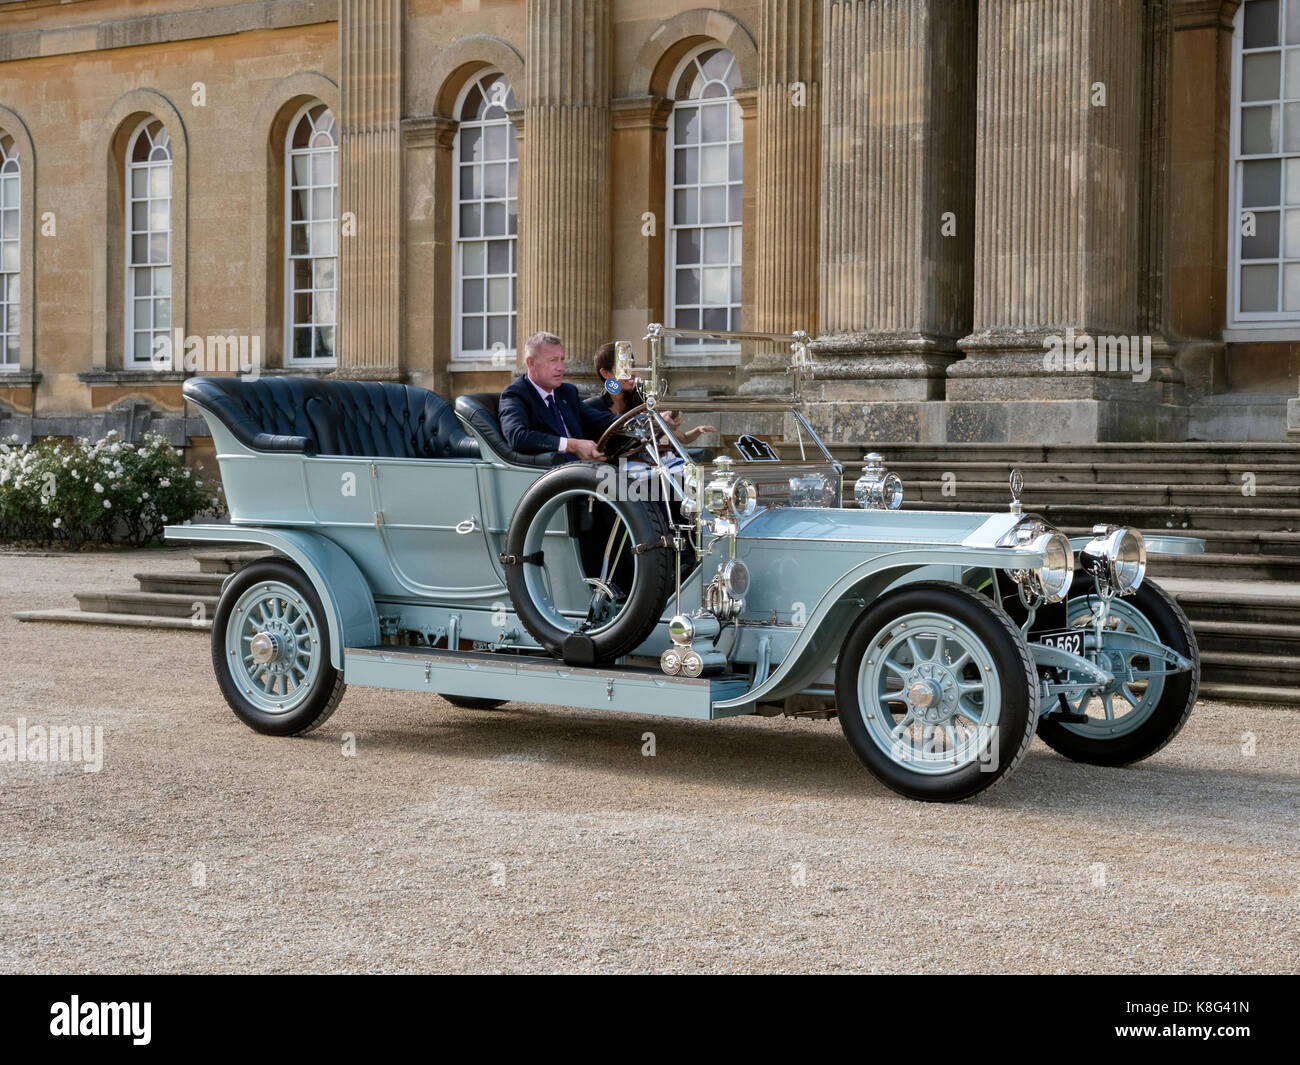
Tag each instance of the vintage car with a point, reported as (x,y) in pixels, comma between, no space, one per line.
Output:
(415,550)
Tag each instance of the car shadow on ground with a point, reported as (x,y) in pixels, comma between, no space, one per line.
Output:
(811,759)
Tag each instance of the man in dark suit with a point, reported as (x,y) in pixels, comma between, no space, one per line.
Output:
(539,412)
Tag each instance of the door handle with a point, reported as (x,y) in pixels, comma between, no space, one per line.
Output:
(467,526)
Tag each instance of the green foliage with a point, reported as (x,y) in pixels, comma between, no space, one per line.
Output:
(109,491)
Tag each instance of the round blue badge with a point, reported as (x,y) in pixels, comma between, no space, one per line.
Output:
(612,386)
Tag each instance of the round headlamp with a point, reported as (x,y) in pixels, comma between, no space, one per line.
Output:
(1054,576)
(1117,555)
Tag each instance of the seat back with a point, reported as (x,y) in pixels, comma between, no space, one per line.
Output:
(480,410)
(353,418)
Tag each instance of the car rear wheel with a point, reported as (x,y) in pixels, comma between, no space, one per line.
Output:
(270,650)
(936,691)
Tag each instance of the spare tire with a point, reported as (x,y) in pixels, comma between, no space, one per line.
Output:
(624,556)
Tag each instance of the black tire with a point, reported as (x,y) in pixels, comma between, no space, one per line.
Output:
(308,710)
(1166,720)
(1014,667)
(472,702)
(648,526)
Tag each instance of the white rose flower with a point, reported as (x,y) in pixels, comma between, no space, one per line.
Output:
(99,488)
(108,503)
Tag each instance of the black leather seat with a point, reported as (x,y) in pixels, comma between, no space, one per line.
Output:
(314,417)
(481,411)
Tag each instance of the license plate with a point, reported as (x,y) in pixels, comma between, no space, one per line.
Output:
(1070,640)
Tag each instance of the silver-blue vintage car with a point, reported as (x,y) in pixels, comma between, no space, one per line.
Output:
(415,550)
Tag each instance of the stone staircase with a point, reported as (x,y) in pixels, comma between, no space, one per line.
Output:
(1243,499)
(161,600)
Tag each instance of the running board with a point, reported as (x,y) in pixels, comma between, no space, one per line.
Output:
(534,679)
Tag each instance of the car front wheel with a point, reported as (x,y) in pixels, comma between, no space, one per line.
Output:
(936,691)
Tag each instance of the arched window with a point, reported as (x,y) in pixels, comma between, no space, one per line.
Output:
(311,253)
(705,178)
(10,261)
(485,220)
(148,242)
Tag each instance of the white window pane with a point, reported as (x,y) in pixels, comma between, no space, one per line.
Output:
(324,342)
(498,292)
(140,250)
(1291,287)
(686,166)
(324,308)
(1258,289)
(494,220)
(494,181)
(322,203)
(162,314)
(143,346)
(713,165)
(1259,132)
(471,140)
(298,239)
(139,182)
(140,217)
(498,330)
(322,238)
(713,205)
(717,286)
(736,202)
(1293,23)
(322,167)
(470,220)
(322,273)
(9,257)
(160,215)
(302,170)
(735,284)
(158,248)
(1292,89)
(715,318)
(161,279)
(472,258)
(716,245)
(471,298)
(1261,76)
(713,122)
(160,180)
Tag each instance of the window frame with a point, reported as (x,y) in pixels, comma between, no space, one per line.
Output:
(1257,325)
(459,355)
(291,359)
(727,352)
(14,306)
(129,360)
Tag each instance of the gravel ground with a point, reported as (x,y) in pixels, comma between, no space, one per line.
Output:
(537,839)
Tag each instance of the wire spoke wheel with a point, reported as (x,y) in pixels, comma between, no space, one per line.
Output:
(1129,700)
(928,693)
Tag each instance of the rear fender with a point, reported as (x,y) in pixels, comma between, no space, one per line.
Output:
(818,643)
(343,591)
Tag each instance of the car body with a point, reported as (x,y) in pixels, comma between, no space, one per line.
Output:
(415,550)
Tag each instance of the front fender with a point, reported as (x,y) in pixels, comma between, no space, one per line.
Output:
(819,641)
(343,591)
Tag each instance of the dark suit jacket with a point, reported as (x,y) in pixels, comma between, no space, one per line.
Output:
(527,425)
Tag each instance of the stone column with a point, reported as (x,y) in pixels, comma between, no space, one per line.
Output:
(786,178)
(427,196)
(897,148)
(1200,121)
(1058,228)
(370,260)
(564,220)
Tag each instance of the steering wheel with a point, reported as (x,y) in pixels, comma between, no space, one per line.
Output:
(628,434)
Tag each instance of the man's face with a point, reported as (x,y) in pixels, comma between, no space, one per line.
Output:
(546,367)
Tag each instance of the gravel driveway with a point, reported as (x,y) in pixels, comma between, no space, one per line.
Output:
(534,838)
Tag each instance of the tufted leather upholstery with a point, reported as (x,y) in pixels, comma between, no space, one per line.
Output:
(481,411)
(314,417)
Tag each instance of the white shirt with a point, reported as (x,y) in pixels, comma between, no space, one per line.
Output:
(564,440)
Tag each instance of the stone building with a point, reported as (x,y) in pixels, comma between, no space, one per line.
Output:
(944,192)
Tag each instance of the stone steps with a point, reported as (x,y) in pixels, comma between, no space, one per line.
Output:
(202,584)
(1022,455)
(152,604)
(134,621)
(1248,637)
(1164,495)
(1226,567)
(1184,521)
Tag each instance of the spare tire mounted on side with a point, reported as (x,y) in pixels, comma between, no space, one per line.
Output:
(627,562)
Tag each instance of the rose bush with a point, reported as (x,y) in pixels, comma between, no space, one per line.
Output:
(109,491)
